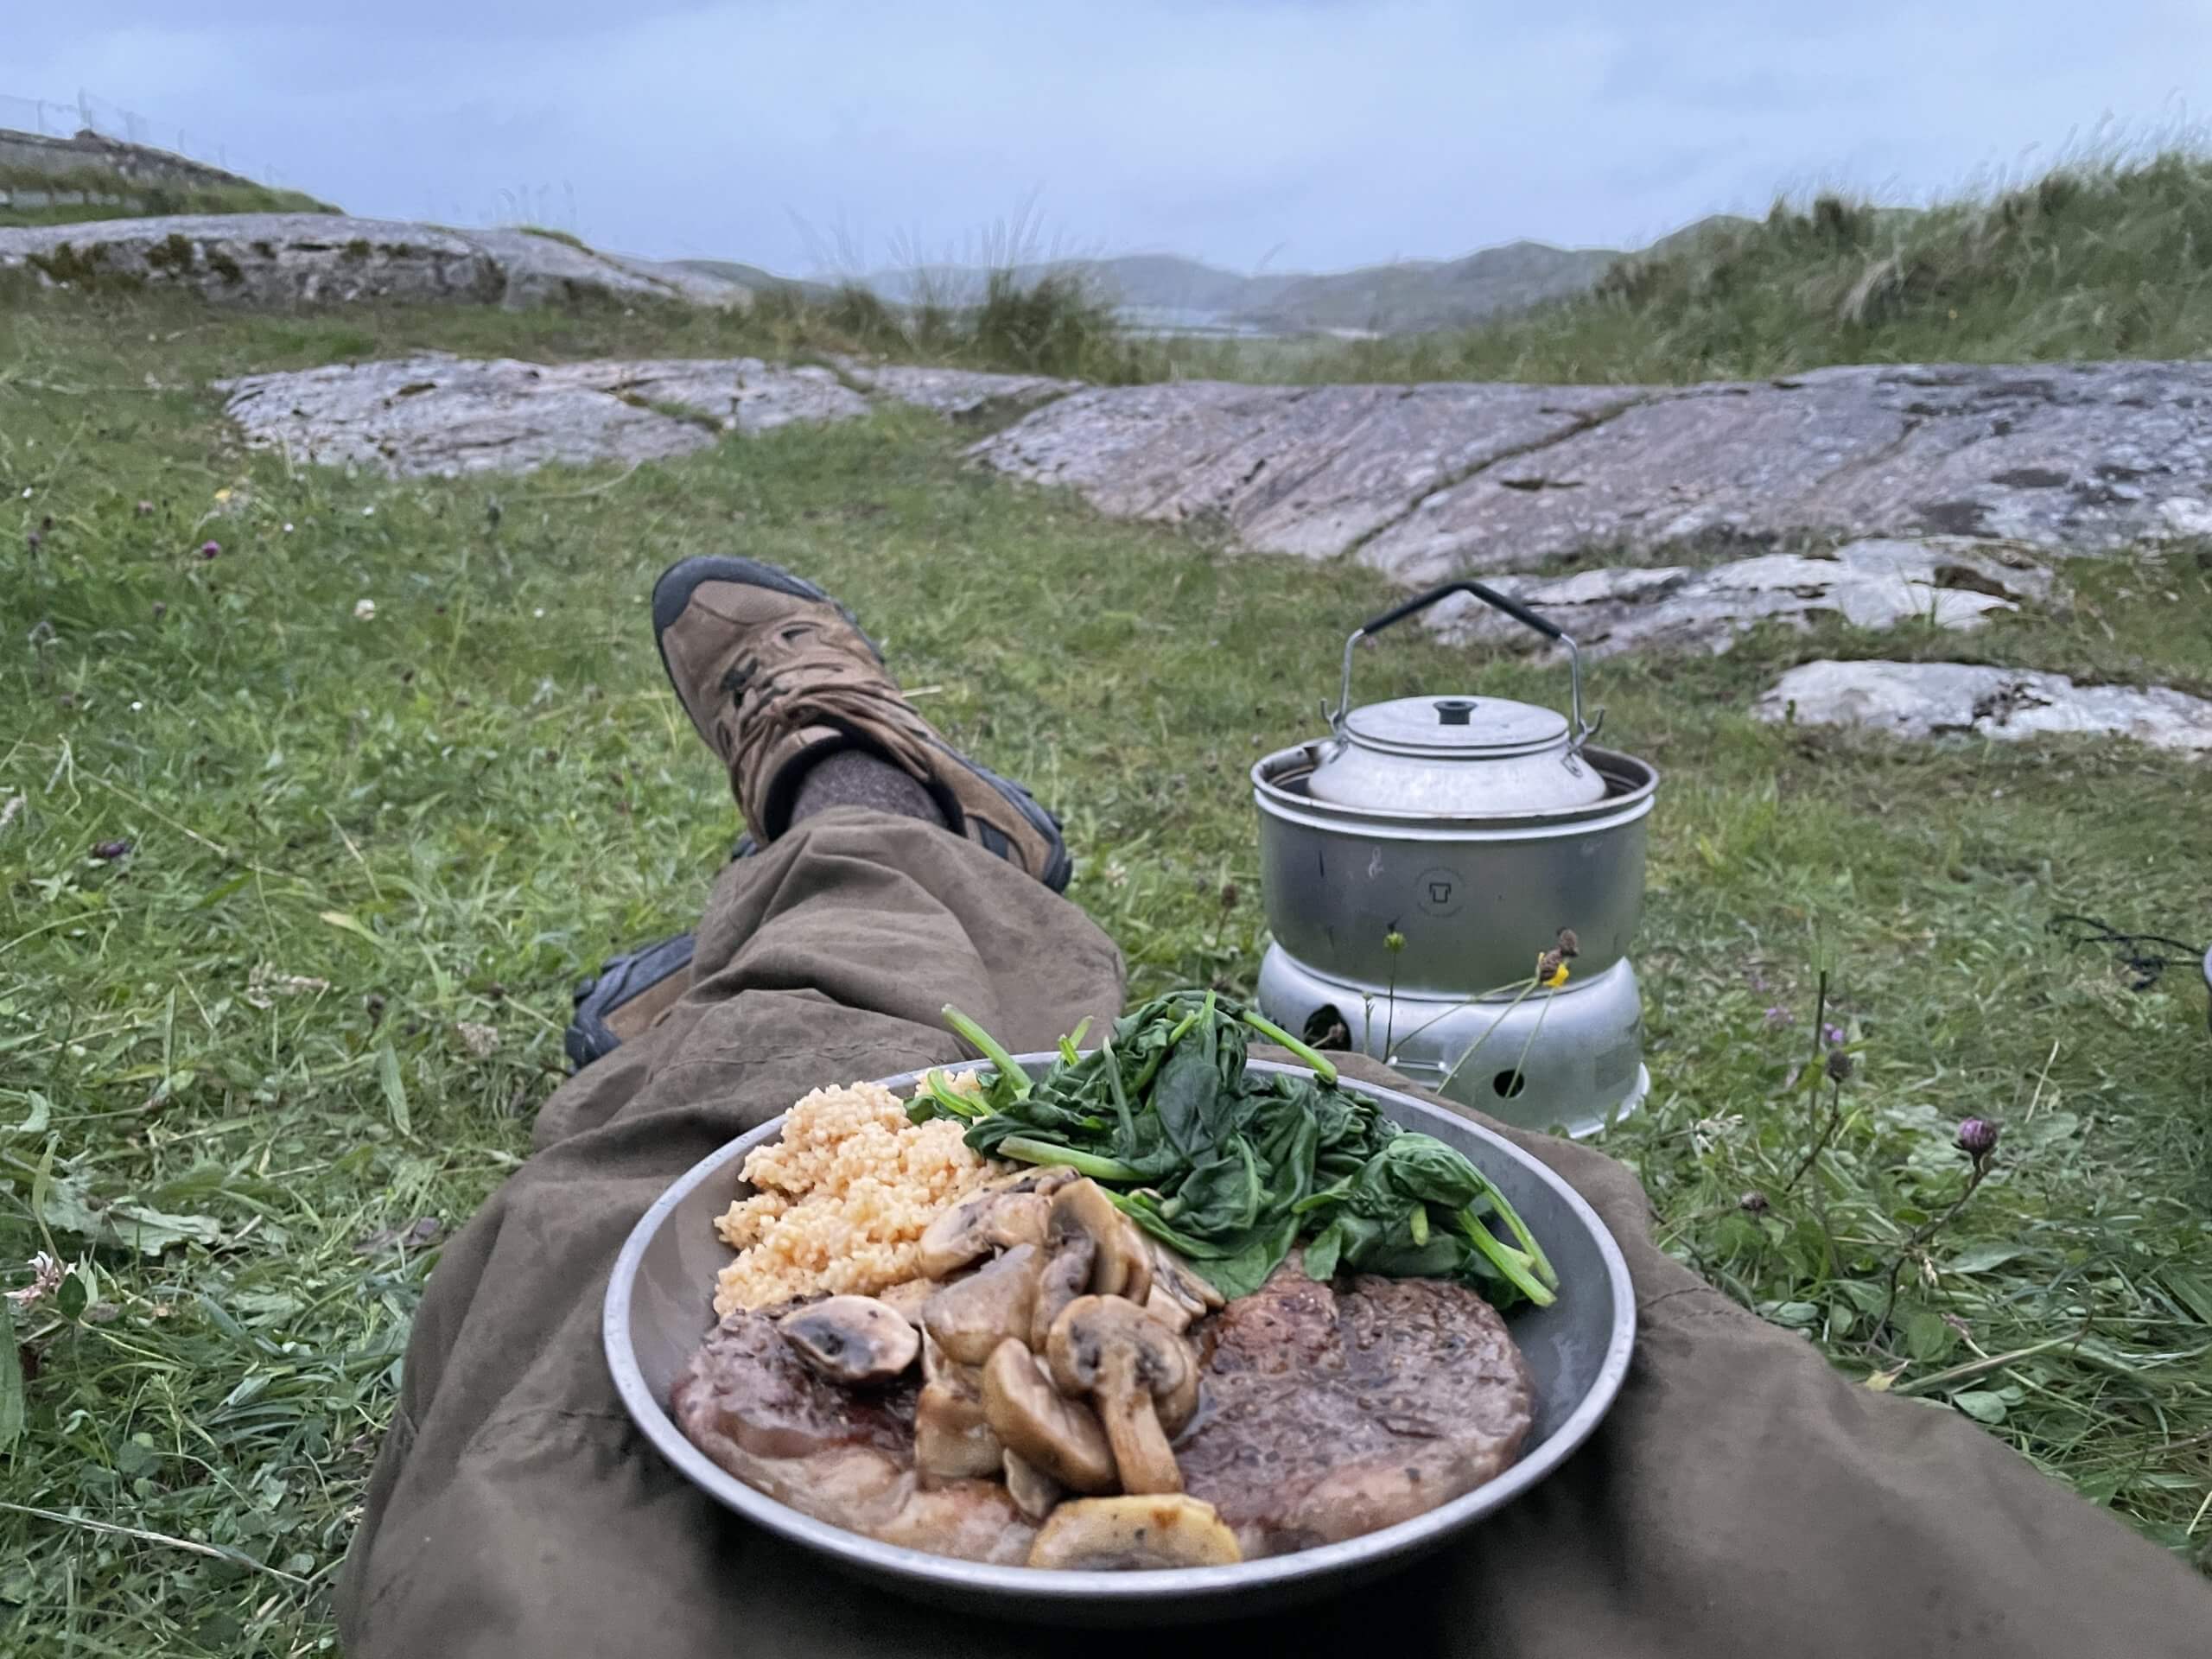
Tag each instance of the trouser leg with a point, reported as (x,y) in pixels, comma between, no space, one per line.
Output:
(1742,1498)
(514,1510)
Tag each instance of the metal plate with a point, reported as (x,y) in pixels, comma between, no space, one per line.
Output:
(658,1308)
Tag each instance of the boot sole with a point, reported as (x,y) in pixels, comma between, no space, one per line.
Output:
(673,591)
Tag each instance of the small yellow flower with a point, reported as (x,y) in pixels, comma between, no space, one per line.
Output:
(1551,969)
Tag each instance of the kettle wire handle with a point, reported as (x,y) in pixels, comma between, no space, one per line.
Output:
(1584,730)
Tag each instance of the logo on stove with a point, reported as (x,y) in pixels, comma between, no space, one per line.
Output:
(1440,891)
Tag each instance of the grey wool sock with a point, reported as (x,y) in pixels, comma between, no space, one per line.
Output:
(861,778)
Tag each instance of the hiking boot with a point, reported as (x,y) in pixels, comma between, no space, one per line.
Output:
(622,1000)
(775,675)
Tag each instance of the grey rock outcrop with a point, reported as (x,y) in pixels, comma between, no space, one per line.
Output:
(1306,470)
(284,259)
(958,394)
(440,415)
(1946,583)
(437,414)
(1926,700)
(1427,482)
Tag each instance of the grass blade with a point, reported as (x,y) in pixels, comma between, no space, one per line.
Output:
(395,1089)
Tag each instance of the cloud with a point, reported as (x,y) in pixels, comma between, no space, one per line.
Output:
(1332,134)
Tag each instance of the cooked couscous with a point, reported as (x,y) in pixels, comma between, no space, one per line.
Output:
(842,1197)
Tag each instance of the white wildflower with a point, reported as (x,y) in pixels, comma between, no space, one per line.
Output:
(364,610)
(482,1041)
(47,1274)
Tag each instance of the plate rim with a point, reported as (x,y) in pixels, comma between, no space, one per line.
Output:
(1035,1584)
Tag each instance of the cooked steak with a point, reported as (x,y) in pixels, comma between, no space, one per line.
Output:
(748,1402)
(1329,1412)
(1324,1412)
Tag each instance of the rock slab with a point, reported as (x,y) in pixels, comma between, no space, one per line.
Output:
(1926,700)
(1429,482)
(444,416)
(958,394)
(277,260)
(1947,582)
(1303,470)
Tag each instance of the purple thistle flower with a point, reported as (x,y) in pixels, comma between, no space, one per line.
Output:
(1777,1016)
(1833,1036)
(209,550)
(1977,1138)
(111,850)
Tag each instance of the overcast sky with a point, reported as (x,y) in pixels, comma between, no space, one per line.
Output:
(1292,134)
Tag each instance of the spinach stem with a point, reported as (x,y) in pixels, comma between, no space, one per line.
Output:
(1113,1064)
(957,1104)
(990,1048)
(1022,1149)
(1507,1260)
(1323,1068)
(1519,1228)
(1070,1043)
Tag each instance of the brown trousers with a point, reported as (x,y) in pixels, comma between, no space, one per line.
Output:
(1742,1499)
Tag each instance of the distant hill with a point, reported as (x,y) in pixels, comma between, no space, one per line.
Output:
(1433,294)
(1171,292)
(759,281)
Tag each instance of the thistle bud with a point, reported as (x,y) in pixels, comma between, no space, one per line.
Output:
(1977,1138)
(1394,941)
(1839,1065)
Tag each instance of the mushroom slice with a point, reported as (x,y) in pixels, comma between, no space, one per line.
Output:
(905,1297)
(1118,1534)
(1069,1253)
(1164,1307)
(971,1319)
(1140,1377)
(952,1438)
(1118,1262)
(1060,1437)
(1033,1491)
(1010,1210)
(1171,1274)
(854,1340)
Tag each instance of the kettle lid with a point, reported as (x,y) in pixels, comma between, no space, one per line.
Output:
(1457,757)
(1462,729)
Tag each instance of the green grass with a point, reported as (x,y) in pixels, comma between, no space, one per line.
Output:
(348,838)
(569,238)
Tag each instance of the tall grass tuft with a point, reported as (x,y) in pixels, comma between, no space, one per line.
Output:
(2098,259)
